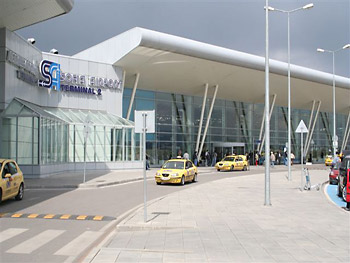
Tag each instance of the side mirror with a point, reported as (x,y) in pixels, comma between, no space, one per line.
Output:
(7,175)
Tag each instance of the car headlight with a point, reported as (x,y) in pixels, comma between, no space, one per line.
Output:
(174,175)
(158,173)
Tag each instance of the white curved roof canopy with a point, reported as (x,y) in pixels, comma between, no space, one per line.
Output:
(174,64)
(16,14)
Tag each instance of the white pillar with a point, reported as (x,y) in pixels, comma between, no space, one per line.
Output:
(202,115)
(133,95)
(208,121)
(312,129)
(310,123)
(270,114)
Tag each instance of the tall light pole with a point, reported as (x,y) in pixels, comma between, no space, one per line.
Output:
(267,107)
(305,7)
(335,138)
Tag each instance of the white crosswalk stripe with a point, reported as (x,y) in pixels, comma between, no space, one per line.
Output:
(35,242)
(10,233)
(78,244)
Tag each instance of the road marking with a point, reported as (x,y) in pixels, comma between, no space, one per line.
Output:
(78,244)
(35,242)
(33,215)
(10,233)
(58,216)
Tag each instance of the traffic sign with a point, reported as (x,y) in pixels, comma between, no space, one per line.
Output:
(301,128)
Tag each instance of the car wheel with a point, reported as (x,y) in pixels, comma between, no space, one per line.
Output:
(218,170)
(344,194)
(339,192)
(20,194)
(194,178)
(158,183)
(232,167)
(244,168)
(182,180)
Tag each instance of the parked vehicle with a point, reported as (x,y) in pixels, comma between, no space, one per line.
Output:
(334,173)
(11,184)
(232,162)
(342,178)
(328,161)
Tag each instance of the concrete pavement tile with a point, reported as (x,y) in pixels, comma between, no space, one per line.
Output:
(121,239)
(106,255)
(173,257)
(151,257)
(239,255)
(129,256)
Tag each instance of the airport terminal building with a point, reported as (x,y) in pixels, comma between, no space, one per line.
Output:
(205,98)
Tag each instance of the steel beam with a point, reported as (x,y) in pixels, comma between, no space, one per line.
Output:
(133,95)
(312,129)
(309,126)
(270,114)
(202,116)
(208,121)
(346,134)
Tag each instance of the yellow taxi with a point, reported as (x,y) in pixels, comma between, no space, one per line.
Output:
(329,160)
(232,162)
(177,171)
(12,183)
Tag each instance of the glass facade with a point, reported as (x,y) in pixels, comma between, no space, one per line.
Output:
(232,125)
(35,135)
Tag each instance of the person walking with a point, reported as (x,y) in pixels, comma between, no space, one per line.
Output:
(273,159)
(195,158)
(292,157)
(214,159)
(186,156)
(207,158)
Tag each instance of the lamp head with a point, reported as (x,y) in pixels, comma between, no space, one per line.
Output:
(31,40)
(308,6)
(269,8)
(346,46)
(320,50)
(54,51)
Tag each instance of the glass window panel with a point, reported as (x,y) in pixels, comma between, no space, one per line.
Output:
(25,140)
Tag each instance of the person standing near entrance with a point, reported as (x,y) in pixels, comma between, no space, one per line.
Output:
(273,159)
(195,158)
(214,159)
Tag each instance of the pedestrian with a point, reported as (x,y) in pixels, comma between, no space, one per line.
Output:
(195,158)
(147,163)
(214,158)
(256,158)
(273,159)
(207,158)
(186,156)
(179,154)
(292,157)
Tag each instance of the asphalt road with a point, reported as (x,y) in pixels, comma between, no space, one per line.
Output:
(63,240)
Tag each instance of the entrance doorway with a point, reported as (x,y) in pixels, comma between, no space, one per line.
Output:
(225,148)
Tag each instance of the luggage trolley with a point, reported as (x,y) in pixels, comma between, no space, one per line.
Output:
(308,185)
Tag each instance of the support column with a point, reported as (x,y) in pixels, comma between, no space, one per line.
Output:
(202,115)
(270,114)
(345,133)
(133,96)
(208,121)
(132,144)
(312,129)
(310,123)
(261,130)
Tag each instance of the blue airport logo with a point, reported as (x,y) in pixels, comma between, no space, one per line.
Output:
(51,73)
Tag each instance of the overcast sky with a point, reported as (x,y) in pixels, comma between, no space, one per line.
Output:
(234,24)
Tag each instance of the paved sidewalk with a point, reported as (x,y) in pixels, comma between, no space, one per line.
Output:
(226,221)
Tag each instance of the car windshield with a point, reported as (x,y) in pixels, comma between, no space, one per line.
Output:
(173,165)
(229,159)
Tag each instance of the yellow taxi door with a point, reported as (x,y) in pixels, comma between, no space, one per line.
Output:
(16,178)
(6,182)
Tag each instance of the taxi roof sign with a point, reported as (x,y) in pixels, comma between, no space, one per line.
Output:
(301,128)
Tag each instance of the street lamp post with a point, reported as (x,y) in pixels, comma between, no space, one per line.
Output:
(305,7)
(335,139)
